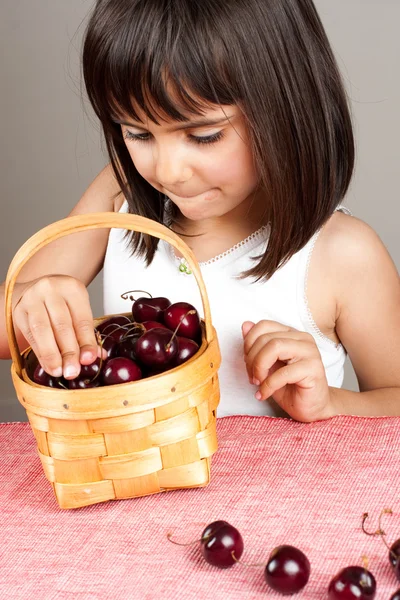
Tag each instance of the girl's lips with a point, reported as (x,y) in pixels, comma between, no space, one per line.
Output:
(209,194)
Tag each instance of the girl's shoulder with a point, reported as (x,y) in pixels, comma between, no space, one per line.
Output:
(347,246)
(349,269)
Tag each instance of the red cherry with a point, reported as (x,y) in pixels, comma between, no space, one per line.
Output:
(184,315)
(110,346)
(41,377)
(120,370)
(90,371)
(127,347)
(186,349)
(156,348)
(352,583)
(218,541)
(287,570)
(394,553)
(149,309)
(113,323)
(80,383)
(153,324)
(395,596)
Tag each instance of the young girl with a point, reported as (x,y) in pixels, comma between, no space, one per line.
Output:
(229,123)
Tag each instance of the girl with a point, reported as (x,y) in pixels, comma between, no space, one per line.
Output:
(228,122)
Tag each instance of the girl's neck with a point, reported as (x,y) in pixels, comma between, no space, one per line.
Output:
(214,236)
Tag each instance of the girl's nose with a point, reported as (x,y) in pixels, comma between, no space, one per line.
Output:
(172,167)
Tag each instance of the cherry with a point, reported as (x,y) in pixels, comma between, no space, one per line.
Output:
(120,370)
(80,383)
(186,349)
(41,377)
(153,324)
(127,347)
(395,596)
(90,371)
(110,346)
(185,316)
(394,553)
(287,570)
(352,582)
(219,541)
(107,326)
(397,569)
(156,348)
(149,309)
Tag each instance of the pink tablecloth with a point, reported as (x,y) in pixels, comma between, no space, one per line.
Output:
(277,481)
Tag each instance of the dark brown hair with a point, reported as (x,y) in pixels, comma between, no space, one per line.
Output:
(270,58)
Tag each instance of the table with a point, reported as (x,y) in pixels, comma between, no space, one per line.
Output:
(278,481)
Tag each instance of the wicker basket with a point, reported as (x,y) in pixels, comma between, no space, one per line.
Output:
(133,439)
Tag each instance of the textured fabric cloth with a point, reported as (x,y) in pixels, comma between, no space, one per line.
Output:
(283,299)
(278,481)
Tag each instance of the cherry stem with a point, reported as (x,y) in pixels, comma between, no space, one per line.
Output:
(246,564)
(124,296)
(380,532)
(179,543)
(190,312)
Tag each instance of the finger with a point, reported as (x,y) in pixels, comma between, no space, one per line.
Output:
(263,328)
(83,324)
(267,350)
(303,373)
(64,333)
(246,326)
(38,331)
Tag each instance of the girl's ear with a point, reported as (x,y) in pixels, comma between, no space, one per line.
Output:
(247,325)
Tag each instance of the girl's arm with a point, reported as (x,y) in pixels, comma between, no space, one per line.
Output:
(368,322)
(357,273)
(78,255)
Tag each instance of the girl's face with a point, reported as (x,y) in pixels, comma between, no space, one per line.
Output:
(204,166)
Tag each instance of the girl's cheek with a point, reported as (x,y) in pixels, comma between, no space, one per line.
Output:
(143,162)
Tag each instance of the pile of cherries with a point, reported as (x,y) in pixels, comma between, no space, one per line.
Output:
(158,337)
(287,570)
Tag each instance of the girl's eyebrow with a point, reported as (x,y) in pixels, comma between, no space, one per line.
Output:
(189,125)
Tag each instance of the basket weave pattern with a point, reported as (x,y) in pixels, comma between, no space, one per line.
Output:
(128,440)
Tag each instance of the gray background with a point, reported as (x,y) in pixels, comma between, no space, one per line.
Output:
(51,147)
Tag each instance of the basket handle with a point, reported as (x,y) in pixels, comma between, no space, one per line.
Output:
(83,222)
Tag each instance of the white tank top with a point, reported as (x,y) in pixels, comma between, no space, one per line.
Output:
(282,298)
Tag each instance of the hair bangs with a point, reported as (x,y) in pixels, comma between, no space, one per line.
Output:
(164,67)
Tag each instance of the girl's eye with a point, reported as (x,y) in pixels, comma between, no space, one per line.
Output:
(144,137)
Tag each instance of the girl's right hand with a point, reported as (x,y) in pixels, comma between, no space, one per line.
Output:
(54,315)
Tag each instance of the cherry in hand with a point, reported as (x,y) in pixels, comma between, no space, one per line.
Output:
(352,583)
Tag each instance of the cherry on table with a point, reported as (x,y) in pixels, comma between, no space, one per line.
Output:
(395,596)
(287,570)
(218,541)
(352,582)
(394,553)
(120,370)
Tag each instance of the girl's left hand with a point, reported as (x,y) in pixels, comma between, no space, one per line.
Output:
(287,365)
